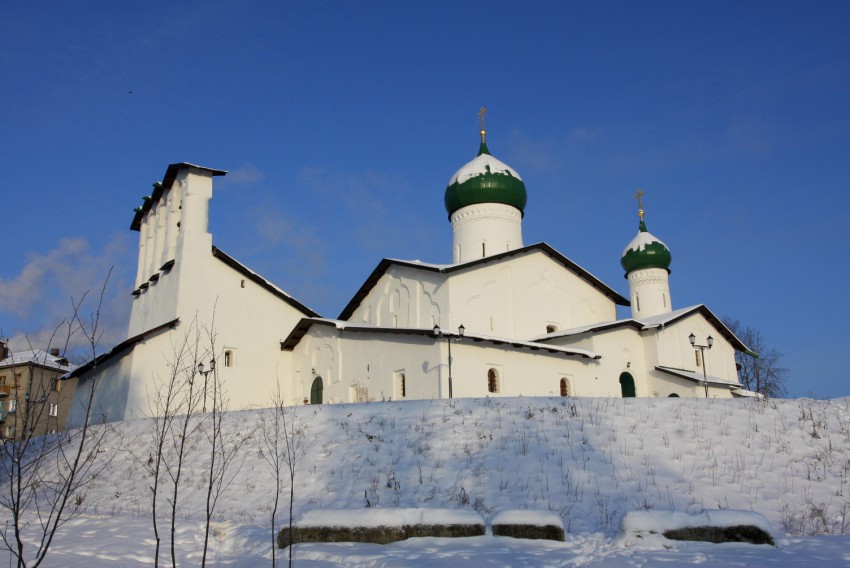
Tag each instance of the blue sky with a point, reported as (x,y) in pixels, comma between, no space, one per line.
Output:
(342,122)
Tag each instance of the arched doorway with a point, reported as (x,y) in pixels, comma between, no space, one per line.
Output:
(627,385)
(316,391)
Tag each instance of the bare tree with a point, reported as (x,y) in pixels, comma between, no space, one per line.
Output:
(760,369)
(46,476)
(164,407)
(224,445)
(270,446)
(282,443)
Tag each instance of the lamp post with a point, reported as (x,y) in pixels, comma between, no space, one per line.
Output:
(709,342)
(205,373)
(449,338)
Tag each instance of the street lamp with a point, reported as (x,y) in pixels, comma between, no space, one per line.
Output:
(205,373)
(449,338)
(709,342)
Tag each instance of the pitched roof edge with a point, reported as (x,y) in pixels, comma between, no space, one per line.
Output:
(385,263)
(127,343)
(262,282)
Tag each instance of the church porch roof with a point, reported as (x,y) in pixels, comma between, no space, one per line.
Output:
(697,377)
(305,324)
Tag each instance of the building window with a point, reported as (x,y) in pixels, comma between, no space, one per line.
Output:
(483,250)
(13,405)
(492,381)
(565,388)
(696,354)
(57,385)
(229,358)
(551,328)
(637,301)
(53,410)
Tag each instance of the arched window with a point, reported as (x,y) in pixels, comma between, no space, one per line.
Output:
(565,388)
(627,385)
(492,381)
(673,395)
(316,391)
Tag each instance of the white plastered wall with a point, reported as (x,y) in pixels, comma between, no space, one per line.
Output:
(517,297)
(485,229)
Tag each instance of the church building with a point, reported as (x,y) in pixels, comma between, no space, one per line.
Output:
(502,319)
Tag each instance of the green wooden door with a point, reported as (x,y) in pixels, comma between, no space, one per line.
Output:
(627,385)
(316,391)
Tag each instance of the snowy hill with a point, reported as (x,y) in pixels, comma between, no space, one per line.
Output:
(589,460)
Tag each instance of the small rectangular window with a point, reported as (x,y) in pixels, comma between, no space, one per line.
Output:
(13,405)
(53,410)
(696,353)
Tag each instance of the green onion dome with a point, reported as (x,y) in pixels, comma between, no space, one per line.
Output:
(645,251)
(485,180)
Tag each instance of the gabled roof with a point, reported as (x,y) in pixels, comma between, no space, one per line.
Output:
(305,324)
(655,322)
(386,263)
(124,345)
(37,357)
(159,189)
(262,282)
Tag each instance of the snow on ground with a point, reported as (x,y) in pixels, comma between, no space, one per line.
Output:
(591,461)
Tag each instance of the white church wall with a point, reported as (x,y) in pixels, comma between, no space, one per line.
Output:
(112,386)
(673,348)
(518,372)
(517,297)
(404,297)
(365,366)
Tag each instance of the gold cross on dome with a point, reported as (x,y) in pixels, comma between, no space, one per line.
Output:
(638,196)
(481,114)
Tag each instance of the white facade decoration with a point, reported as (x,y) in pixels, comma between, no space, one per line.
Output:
(536,323)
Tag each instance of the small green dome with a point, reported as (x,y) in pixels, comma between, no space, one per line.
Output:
(485,180)
(645,251)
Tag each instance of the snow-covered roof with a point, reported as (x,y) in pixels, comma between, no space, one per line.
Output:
(121,347)
(547,249)
(482,164)
(305,324)
(659,321)
(696,377)
(38,357)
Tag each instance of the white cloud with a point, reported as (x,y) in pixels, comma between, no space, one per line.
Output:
(42,295)
(246,175)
